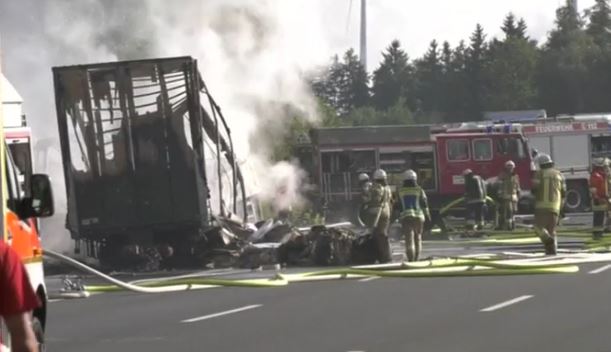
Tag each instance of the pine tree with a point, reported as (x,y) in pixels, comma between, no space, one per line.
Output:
(474,67)
(429,74)
(599,26)
(392,79)
(564,68)
(353,84)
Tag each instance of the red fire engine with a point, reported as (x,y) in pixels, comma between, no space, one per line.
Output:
(439,155)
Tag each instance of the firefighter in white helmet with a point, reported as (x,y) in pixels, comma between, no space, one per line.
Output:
(365,186)
(414,211)
(549,189)
(380,208)
(508,195)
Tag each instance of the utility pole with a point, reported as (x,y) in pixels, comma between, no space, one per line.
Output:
(574,6)
(363,51)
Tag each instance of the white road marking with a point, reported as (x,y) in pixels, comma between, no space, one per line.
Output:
(506,303)
(371,278)
(54,300)
(220,314)
(600,270)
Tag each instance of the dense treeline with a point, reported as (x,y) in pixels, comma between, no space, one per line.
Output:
(569,73)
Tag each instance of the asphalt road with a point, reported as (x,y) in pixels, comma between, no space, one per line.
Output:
(561,312)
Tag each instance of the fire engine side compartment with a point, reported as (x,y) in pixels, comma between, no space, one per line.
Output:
(340,154)
(127,132)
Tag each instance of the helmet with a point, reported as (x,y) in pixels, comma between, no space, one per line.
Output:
(410,175)
(467,172)
(363,177)
(510,165)
(598,162)
(379,175)
(544,159)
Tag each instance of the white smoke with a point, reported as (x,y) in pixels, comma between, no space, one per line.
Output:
(253,55)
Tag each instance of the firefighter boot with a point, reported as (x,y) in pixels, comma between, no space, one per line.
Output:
(547,240)
(551,246)
(410,246)
(418,247)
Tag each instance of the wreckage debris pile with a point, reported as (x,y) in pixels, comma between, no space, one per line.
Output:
(230,245)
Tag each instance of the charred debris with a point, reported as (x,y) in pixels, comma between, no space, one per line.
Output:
(152,180)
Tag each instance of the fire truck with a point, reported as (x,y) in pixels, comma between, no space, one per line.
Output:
(25,197)
(438,154)
(572,141)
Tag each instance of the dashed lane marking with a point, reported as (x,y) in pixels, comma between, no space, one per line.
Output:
(220,314)
(600,270)
(506,303)
(367,279)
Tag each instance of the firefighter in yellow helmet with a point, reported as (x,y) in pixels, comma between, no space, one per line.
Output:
(414,211)
(549,189)
(380,207)
(508,194)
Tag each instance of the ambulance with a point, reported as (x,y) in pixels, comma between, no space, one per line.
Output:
(25,196)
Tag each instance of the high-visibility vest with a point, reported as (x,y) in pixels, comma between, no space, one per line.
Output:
(549,187)
(410,198)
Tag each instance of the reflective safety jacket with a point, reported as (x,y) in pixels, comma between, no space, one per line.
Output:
(381,197)
(509,186)
(475,190)
(413,203)
(598,189)
(549,189)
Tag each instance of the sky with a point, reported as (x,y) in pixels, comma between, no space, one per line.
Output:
(416,22)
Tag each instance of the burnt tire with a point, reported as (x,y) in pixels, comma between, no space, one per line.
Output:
(39,332)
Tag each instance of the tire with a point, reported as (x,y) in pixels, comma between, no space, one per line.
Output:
(577,197)
(39,332)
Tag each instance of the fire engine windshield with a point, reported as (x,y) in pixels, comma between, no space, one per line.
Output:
(512,146)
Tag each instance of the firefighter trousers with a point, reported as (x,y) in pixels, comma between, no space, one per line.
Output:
(545,227)
(475,215)
(380,235)
(599,219)
(506,210)
(412,232)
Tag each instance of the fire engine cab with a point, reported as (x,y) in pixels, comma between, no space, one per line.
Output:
(438,154)
(24,197)
(572,141)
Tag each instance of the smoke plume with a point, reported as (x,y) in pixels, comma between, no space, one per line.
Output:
(253,54)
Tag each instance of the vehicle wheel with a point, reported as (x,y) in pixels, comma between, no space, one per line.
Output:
(39,333)
(577,198)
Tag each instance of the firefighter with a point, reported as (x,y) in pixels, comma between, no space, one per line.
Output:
(549,189)
(365,186)
(508,194)
(475,200)
(380,207)
(414,211)
(18,301)
(600,197)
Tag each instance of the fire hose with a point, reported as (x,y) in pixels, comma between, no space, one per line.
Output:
(443,267)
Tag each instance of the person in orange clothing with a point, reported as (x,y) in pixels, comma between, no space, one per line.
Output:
(17,300)
(600,197)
